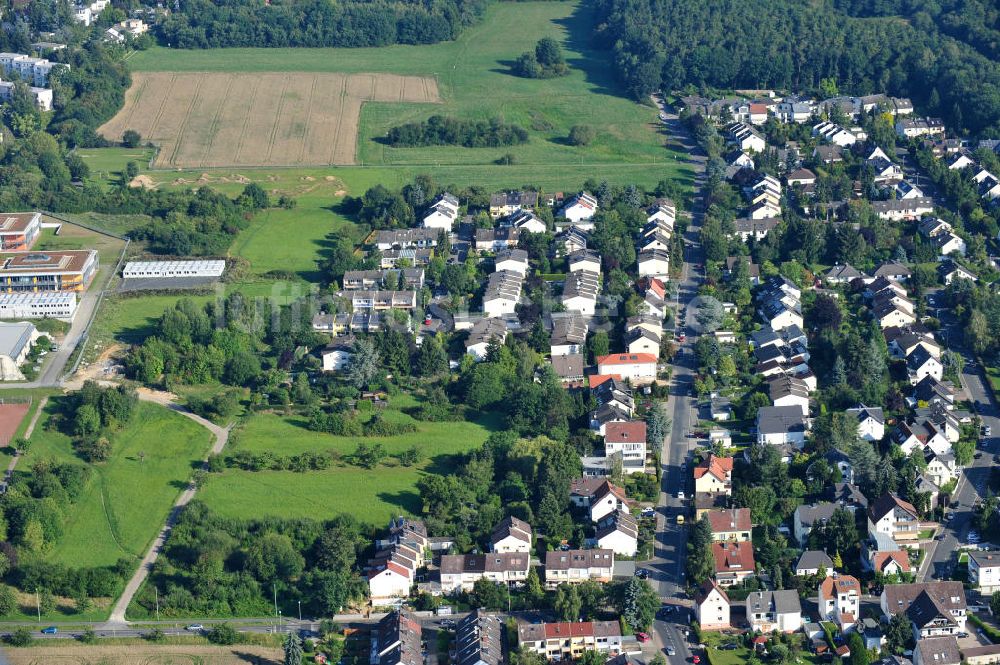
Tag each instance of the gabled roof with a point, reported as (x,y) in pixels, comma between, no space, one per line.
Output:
(881,561)
(720,467)
(731,556)
(840,584)
(725,521)
(887,503)
(628,432)
(773,602)
(511,526)
(626,359)
(814,559)
(942,650)
(706,588)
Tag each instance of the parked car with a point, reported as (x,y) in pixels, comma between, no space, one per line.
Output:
(680,494)
(642,573)
(51,630)
(642,637)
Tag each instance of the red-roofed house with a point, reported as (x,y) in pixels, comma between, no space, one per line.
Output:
(891,563)
(714,476)
(568,640)
(733,524)
(639,368)
(597,379)
(758,113)
(733,562)
(629,439)
(839,600)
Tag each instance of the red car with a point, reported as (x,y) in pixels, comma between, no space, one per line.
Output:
(695,659)
(642,637)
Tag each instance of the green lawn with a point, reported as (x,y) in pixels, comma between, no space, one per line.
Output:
(474,80)
(107,164)
(126,500)
(371,495)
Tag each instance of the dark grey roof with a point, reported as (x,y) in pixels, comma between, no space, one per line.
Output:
(776,602)
(780,419)
(815,513)
(814,559)
(478,638)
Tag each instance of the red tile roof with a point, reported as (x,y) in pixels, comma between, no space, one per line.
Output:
(733,556)
(597,379)
(630,432)
(626,359)
(735,519)
(843,584)
(882,559)
(719,467)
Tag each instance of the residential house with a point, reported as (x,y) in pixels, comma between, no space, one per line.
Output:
(478,640)
(580,292)
(801,177)
(892,562)
(807,517)
(569,640)
(482,334)
(941,468)
(834,134)
(734,562)
(777,425)
(577,566)
(511,260)
(406,238)
(840,600)
(337,354)
(459,572)
(585,260)
(505,204)
(984,571)
(714,475)
(397,640)
(711,606)
(903,209)
(789,391)
(921,363)
(618,532)
(495,240)
(599,496)
(627,439)
(937,651)
(750,227)
(949,243)
(442,213)
(959,161)
(503,293)
(571,240)
(569,335)
(871,422)
(511,535)
(733,524)
(580,210)
(913,127)
(842,274)
(654,263)
(934,608)
(524,221)
(639,368)
(950,271)
(746,138)
(640,340)
(894,517)
(774,611)
(906,190)
(568,367)
(811,561)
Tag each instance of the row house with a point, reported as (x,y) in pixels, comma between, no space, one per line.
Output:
(897,210)
(745,137)
(397,640)
(748,228)
(653,263)
(503,293)
(392,571)
(441,214)
(478,640)
(569,640)
(409,278)
(383,300)
(496,240)
(512,260)
(406,238)
(579,211)
(578,566)
(835,134)
(459,572)
(580,292)
(913,127)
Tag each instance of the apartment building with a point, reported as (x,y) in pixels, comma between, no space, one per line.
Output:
(70,270)
(33,71)
(459,572)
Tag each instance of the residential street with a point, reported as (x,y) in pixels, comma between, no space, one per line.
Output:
(667,565)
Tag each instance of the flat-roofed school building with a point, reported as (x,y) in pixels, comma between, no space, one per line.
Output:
(158,269)
(70,270)
(43,305)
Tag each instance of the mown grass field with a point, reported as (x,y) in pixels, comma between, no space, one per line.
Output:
(128,497)
(144,654)
(474,79)
(371,495)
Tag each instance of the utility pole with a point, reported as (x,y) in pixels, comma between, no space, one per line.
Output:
(300,611)
(38,605)
(274,587)
(156,592)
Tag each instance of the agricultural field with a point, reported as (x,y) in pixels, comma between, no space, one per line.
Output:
(144,654)
(201,119)
(474,82)
(370,495)
(128,497)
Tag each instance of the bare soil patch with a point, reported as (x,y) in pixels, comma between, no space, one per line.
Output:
(204,119)
(144,655)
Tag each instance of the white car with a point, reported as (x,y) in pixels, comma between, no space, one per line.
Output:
(195,627)
(680,495)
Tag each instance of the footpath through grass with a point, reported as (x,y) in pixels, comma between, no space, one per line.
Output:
(127,498)
(371,495)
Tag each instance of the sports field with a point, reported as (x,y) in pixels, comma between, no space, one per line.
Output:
(372,496)
(202,119)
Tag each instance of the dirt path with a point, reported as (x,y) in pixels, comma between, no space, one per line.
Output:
(221,434)
(27,435)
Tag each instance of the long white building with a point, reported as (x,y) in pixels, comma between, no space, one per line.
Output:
(160,269)
(33,71)
(40,305)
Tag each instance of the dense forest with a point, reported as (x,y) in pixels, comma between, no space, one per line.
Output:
(314,23)
(670,44)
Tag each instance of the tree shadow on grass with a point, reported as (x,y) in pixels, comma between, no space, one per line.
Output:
(180,484)
(407,500)
(253,658)
(506,67)
(595,64)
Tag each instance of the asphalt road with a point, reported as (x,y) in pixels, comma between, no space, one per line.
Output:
(975,478)
(667,565)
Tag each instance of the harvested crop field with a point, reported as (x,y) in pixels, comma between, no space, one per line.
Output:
(144,655)
(203,119)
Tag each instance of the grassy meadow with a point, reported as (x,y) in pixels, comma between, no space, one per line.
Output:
(128,497)
(371,495)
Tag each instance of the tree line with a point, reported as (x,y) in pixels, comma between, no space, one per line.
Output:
(668,44)
(443,130)
(315,23)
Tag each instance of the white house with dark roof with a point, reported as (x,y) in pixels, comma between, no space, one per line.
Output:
(711,606)
(871,422)
(511,535)
(770,611)
(811,561)
(580,210)
(619,532)
(578,566)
